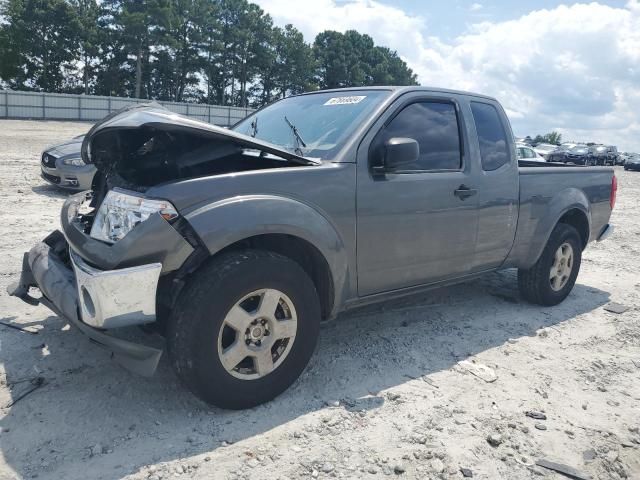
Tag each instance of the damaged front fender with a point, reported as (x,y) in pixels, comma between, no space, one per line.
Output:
(151,241)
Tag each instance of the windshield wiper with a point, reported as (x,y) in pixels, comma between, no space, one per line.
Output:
(296,134)
(254,127)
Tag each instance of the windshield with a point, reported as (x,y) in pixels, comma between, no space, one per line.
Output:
(601,149)
(315,125)
(579,150)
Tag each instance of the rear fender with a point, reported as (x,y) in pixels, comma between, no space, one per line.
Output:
(544,216)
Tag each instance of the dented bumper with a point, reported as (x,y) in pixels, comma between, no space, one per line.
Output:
(98,286)
(116,298)
(44,267)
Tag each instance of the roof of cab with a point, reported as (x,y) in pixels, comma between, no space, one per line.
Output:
(403,89)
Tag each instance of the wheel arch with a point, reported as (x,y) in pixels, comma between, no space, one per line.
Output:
(285,226)
(300,251)
(569,206)
(579,220)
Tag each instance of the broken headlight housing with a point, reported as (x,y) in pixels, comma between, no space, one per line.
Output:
(121,211)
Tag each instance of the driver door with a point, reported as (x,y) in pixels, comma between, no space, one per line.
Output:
(417,225)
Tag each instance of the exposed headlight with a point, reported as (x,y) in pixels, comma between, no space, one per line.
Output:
(76,162)
(120,212)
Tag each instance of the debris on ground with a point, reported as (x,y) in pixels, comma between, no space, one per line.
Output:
(36,383)
(480,370)
(563,469)
(536,415)
(614,307)
(466,472)
(589,455)
(30,330)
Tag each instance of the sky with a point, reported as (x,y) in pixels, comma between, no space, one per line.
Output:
(570,67)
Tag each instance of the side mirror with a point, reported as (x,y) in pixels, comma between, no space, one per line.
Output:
(400,152)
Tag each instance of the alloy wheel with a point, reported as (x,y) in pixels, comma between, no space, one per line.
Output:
(257,334)
(561,267)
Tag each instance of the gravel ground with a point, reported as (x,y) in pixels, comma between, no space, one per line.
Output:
(391,390)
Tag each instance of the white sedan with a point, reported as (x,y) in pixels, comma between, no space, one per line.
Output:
(544,149)
(525,152)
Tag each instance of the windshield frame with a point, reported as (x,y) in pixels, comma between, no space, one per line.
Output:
(337,153)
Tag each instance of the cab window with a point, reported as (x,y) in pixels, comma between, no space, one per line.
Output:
(491,136)
(434,125)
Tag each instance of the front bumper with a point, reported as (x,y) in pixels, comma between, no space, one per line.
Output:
(64,289)
(69,176)
(116,298)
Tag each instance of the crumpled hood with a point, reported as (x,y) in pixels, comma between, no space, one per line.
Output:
(158,117)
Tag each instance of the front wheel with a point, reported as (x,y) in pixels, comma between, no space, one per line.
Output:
(553,276)
(244,328)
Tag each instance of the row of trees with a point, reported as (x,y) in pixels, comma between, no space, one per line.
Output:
(226,52)
(553,138)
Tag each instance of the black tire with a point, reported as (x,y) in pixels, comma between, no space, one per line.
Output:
(197,318)
(534,283)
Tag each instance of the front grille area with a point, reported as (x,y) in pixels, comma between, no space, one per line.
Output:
(48,160)
(51,178)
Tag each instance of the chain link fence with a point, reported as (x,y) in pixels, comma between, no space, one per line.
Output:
(62,106)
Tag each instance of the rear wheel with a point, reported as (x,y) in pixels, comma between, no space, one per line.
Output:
(244,328)
(553,276)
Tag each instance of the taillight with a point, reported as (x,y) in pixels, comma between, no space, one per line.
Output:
(614,192)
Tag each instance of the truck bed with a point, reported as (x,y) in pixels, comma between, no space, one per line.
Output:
(551,186)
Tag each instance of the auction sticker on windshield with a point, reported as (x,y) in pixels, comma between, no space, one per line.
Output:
(345,100)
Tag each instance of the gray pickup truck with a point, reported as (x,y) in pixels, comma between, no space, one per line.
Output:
(235,244)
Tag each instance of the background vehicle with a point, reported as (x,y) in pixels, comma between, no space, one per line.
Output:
(578,155)
(235,244)
(604,155)
(559,154)
(623,157)
(525,152)
(544,149)
(63,166)
(633,162)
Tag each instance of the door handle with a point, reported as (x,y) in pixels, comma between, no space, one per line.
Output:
(463,192)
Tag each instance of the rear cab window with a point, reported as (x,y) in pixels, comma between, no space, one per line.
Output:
(492,136)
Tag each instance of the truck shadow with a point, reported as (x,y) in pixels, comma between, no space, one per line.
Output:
(92,412)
